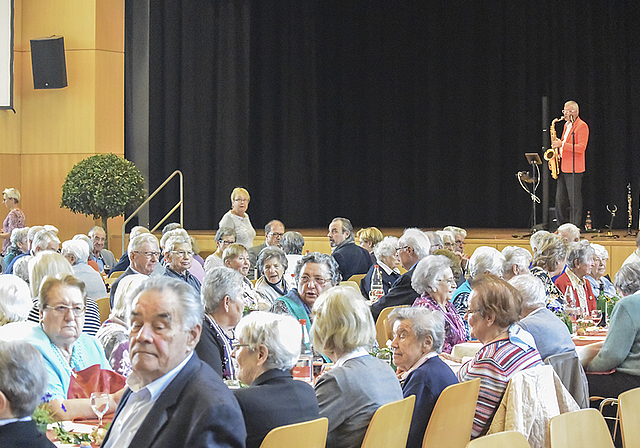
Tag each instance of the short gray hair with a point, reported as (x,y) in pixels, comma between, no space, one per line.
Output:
(600,251)
(219,283)
(172,233)
(124,295)
(19,235)
(271,252)
(292,243)
(346,227)
(417,240)
(580,252)
(319,258)
(435,240)
(514,255)
(33,230)
(430,267)
(15,299)
(170,243)
(189,304)
(225,231)
(136,243)
(280,334)
(23,376)
(456,231)
(386,247)
(570,230)
(85,238)
(43,238)
(486,259)
(21,268)
(532,291)
(137,230)
(536,239)
(76,248)
(171,226)
(627,279)
(424,323)
(446,235)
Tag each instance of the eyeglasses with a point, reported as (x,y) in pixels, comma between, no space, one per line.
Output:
(62,310)
(317,280)
(149,255)
(223,242)
(276,234)
(451,281)
(236,347)
(241,200)
(398,249)
(182,253)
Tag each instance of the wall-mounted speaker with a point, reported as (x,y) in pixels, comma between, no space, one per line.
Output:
(48,63)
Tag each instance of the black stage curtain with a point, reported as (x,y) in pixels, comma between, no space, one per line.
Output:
(393,114)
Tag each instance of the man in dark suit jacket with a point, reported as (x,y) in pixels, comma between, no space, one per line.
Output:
(351,258)
(144,253)
(173,399)
(413,246)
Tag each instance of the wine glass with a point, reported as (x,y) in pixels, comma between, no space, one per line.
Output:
(99,404)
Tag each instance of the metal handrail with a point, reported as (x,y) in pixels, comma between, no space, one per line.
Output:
(157,190)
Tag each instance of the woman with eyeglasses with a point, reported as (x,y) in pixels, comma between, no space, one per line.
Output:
(178,256)
(434,280)
(224,237)
(236,257)
(238,219)
(65,348)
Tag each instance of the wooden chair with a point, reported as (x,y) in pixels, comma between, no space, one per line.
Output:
(357,278)
(383,330)
(352,284)
(629,410)
(585,427)
(389,426)
(312,434)
(113,277)
(507,439)
(452,418)
(105,308)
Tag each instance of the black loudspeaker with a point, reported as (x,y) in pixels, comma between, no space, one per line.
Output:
(48,63)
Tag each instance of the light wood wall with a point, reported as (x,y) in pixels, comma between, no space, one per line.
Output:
(54,129)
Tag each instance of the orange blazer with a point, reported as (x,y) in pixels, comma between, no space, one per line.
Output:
(581,131)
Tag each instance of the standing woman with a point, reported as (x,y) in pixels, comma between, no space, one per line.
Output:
(15,218)
(238,219)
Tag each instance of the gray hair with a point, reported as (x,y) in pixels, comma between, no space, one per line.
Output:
(46,264)
(627,279)
(446,235)
(23,376)
(19,235)
(137,230)
(11,193)
(189,304)
(33,230)
(136,243)
(124,295)
(536,239)
(386,247)
(292,243)
(225,231)
(486,259)
(171,226)
(346,227)
(171,233)
(85,238)
(271,252)
(514,255)
(430,267)
(531,290)
(21,268)
(43,238)
(169,243)
(219,283)
(15,299)
(280,334)
(580,252)
(94,229)
(435,240)
(76,248)
(319,258)
(417,240)
(267,227)
(456,231)
(600,251)
(569,231)
(424,323)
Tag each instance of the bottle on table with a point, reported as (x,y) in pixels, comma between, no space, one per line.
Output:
(303,369)
(376,290)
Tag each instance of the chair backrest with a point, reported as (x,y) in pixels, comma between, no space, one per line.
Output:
(383,331)
(629,409)
(389,426)
(105,308)
(312,434)
(568,368)
(351,283)
(452,417)
(115,274)
(506,439)
(357,278)
(585,427)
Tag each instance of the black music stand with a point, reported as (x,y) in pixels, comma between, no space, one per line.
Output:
(534,160)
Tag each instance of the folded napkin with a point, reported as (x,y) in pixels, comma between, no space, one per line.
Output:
(94,379)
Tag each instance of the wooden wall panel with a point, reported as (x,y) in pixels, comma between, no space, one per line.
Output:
(110,25)
(10,174)
(109,102)
(73,19)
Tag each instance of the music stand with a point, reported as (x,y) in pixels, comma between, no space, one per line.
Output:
(534,160)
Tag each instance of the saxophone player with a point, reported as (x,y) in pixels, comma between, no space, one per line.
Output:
(572,147)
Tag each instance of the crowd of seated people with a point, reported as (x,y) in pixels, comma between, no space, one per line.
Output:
(176,324)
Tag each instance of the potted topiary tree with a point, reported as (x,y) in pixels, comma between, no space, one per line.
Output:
(103,186)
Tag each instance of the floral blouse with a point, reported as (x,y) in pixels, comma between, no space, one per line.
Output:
(454,329)
(15,220)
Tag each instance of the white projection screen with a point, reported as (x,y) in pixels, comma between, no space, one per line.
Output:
(6,54)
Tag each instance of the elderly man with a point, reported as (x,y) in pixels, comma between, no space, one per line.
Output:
(569,232)
(173,399)
(144,254)
(351,258)
(273,232)
(178,256)
(516,261)
(124,261)
(23,381)
(413,246)
(77,253)
(573,284)
(31,235)
(104,257)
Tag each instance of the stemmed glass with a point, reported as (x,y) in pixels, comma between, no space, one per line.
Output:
(99,404)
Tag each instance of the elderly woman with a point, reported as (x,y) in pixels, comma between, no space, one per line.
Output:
(292,244)
(65,347)
(434,281)
(572,283)
(77,254)
(494,306)
(599,282)
(238,219)
(549,261)
(268,348)
(224,237)
(448,239)
(19,244)
(358,384)
(15,303)
(418,334)
(223,307)
(114,332)
(272,263)
(15,218)
(236,257)
(178,256)
(516,261)
(536,240)
(368,238)
(388,262)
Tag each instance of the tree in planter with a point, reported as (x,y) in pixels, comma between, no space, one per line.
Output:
(103,186)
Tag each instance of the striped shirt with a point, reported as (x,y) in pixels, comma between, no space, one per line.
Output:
(495,364)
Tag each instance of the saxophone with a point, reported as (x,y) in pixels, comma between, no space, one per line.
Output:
(552,155)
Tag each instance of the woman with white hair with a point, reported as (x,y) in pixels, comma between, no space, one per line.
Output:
(358,384)
(434,280)
(19,244)
(600,283)
(268,348)
(15,218)
(576,289)
(516,261)
(15,303)
(77,253)
(388,262)
(178,258)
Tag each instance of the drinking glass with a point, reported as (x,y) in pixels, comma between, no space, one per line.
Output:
(99,404)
